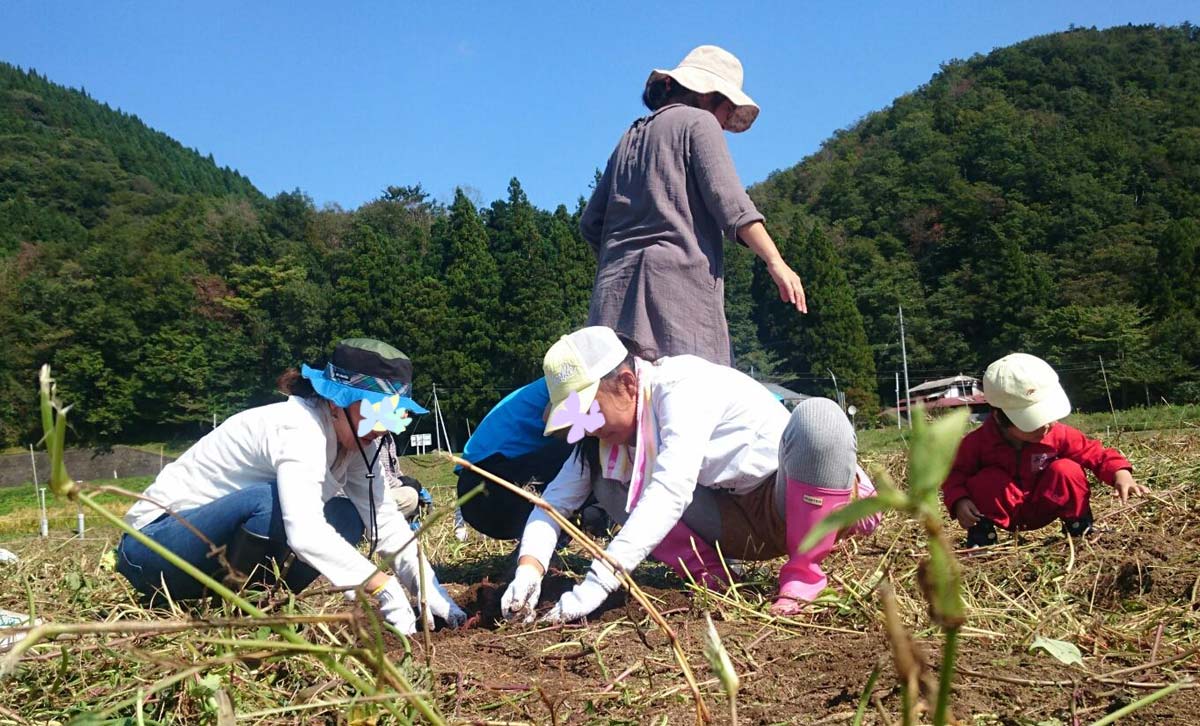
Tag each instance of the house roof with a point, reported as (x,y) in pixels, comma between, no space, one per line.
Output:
(783,394)
(943,383)
(948,402)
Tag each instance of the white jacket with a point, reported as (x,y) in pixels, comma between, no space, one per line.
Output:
(717,428)
(292,443)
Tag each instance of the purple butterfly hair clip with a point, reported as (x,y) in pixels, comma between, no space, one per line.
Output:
(579,420)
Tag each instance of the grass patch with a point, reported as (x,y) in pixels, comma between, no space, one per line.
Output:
(1141,418)
(20,518)
(1129,600)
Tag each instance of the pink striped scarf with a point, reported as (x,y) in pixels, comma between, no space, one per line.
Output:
(618,461)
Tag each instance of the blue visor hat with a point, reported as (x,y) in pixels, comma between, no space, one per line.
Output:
(367,370)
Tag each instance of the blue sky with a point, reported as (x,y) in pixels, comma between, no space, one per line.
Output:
(344,99)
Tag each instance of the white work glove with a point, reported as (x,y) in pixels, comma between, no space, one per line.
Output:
(407,566)
(579,602)
(521,597)
(441,605)
(393,604)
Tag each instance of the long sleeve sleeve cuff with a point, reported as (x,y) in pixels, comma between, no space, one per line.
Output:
(602,575)
(540,537)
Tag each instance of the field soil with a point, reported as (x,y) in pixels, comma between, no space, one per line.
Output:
(618,668)
(1127,598)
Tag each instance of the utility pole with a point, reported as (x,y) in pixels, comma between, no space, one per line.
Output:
(1107,392)
(445,433)
(898,401)
(437,432)
(904,356)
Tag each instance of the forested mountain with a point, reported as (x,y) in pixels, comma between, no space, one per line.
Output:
(165,290)
(68,156)
(1045,197)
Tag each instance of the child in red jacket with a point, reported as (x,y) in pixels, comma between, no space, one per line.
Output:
(1021,469)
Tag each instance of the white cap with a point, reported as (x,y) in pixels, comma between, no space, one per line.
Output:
(576,363)
(1027,390)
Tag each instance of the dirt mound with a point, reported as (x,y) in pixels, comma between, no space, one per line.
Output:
(83,464)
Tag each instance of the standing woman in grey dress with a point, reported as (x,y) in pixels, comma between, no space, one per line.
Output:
(668,197)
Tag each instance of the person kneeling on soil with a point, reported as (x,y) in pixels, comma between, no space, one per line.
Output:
(510,444)
(412,498)
(300,476)
(688,456)
(1022,469)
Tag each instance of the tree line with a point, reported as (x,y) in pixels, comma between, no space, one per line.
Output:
(1041,198)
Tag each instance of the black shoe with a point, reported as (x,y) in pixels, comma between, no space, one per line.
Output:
(1078,527)
(594,521)
(981,534)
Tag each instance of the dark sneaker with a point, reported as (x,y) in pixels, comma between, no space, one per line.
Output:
(981,534)
(594,521)
(1078,527)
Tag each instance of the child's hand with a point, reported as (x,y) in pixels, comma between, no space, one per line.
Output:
(967,513)
(1127,487)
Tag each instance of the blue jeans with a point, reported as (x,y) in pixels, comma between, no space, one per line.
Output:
(255,509)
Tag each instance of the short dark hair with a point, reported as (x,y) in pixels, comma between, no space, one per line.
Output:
(666,90)
(633,349)
(291,383)
(1002,418)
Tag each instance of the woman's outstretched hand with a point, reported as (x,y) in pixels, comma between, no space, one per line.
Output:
(756,237)
(578,603)
(791,290)
(393,605)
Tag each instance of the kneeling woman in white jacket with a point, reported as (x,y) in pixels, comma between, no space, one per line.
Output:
(686,454)
(298,476)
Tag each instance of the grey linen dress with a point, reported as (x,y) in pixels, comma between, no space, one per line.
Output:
(656,220)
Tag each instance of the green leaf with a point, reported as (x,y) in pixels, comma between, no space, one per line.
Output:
(210,683)
(932,452)
(54,426)
(1065,652)
(851,513)
(718,658)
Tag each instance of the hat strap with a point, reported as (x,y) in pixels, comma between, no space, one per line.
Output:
(374,529)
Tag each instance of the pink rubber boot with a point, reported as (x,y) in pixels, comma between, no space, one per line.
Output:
(675,551)
(801,579)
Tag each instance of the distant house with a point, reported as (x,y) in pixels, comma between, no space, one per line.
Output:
(953,392)
(786,396)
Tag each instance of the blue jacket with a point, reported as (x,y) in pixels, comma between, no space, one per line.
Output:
(513,427)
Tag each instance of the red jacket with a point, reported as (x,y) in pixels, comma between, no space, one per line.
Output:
(986,447)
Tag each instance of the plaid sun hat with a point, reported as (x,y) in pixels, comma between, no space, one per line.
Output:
(365,369)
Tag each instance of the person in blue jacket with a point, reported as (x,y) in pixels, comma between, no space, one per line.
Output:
(510,443)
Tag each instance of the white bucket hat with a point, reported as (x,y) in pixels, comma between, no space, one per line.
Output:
(709,69)
(1027,390)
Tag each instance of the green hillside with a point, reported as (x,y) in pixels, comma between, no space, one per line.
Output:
(62,151)
(1044,197)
